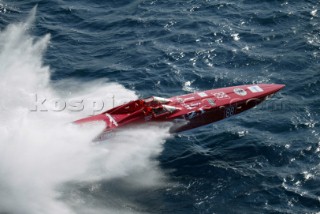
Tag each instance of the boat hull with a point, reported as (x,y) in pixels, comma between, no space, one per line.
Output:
(187,111)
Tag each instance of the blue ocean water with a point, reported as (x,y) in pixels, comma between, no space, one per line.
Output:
(266,160)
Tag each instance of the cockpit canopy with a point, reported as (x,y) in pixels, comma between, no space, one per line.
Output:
(157,104)
(151,104)
(164,109)
(157,99)
(171,109)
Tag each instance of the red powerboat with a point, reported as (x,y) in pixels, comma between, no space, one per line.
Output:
(186,111)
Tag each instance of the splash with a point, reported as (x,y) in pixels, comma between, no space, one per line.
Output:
(40,152)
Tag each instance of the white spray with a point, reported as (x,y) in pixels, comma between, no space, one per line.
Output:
(40,151)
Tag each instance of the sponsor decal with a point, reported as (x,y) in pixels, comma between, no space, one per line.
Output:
(255,89)
(188,99)
(211,102)
(221,95)
(194,114)
(229,111)
(240,91)
(195,104)
(186,106)
(202,94)
(112,120)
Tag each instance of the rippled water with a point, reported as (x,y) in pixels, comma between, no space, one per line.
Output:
(263,161)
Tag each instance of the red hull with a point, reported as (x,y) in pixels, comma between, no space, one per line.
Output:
(187,111)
